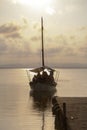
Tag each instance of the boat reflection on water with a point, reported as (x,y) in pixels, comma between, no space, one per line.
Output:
(41,102)
(42,99)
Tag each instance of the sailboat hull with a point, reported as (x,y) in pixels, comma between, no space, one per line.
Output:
(42,86)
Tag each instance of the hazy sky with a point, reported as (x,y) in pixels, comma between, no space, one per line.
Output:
(65,32)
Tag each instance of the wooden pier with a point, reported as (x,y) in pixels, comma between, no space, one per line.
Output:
(70,113)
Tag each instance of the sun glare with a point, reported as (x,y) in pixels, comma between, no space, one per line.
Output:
(50,11)
(43,5)
(34,3)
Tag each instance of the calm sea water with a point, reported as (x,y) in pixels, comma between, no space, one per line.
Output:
(20,109)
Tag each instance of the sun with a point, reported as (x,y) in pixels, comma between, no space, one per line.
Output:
(41,5)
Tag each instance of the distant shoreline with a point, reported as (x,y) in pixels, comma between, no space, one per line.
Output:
(37,67)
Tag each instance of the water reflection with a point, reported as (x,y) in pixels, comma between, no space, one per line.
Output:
(42,100)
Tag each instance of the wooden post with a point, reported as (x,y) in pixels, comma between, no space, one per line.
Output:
(64,112)
(64,109)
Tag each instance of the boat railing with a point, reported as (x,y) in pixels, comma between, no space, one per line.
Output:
(56,76)
(28,75)
(31,75)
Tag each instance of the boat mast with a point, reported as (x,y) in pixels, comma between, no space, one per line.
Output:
(42,42)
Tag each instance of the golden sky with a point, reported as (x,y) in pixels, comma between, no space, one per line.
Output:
(65,33)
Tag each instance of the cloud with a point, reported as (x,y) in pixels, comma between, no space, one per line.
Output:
(54,51)
(63,48)
(3,46)
(15,35)
(84,28)
(13,42)
(15,52)
(25,22)
(35,39)
(11,30)
(15,30)
(83,50)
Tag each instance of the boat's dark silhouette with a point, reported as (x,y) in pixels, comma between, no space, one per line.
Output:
(43,78)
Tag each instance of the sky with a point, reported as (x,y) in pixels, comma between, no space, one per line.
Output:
(65,33)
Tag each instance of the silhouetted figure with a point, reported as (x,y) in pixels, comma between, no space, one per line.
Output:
(34,78)
(45,76)
(38,77)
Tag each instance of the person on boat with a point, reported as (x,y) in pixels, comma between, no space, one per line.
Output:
(34,78)
(45,76)
(39,77)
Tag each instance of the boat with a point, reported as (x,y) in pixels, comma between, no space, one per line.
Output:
(43,78)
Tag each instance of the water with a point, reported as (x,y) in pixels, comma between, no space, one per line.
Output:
(72,83)
(19,107)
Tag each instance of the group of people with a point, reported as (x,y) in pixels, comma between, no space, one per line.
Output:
(44,77)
